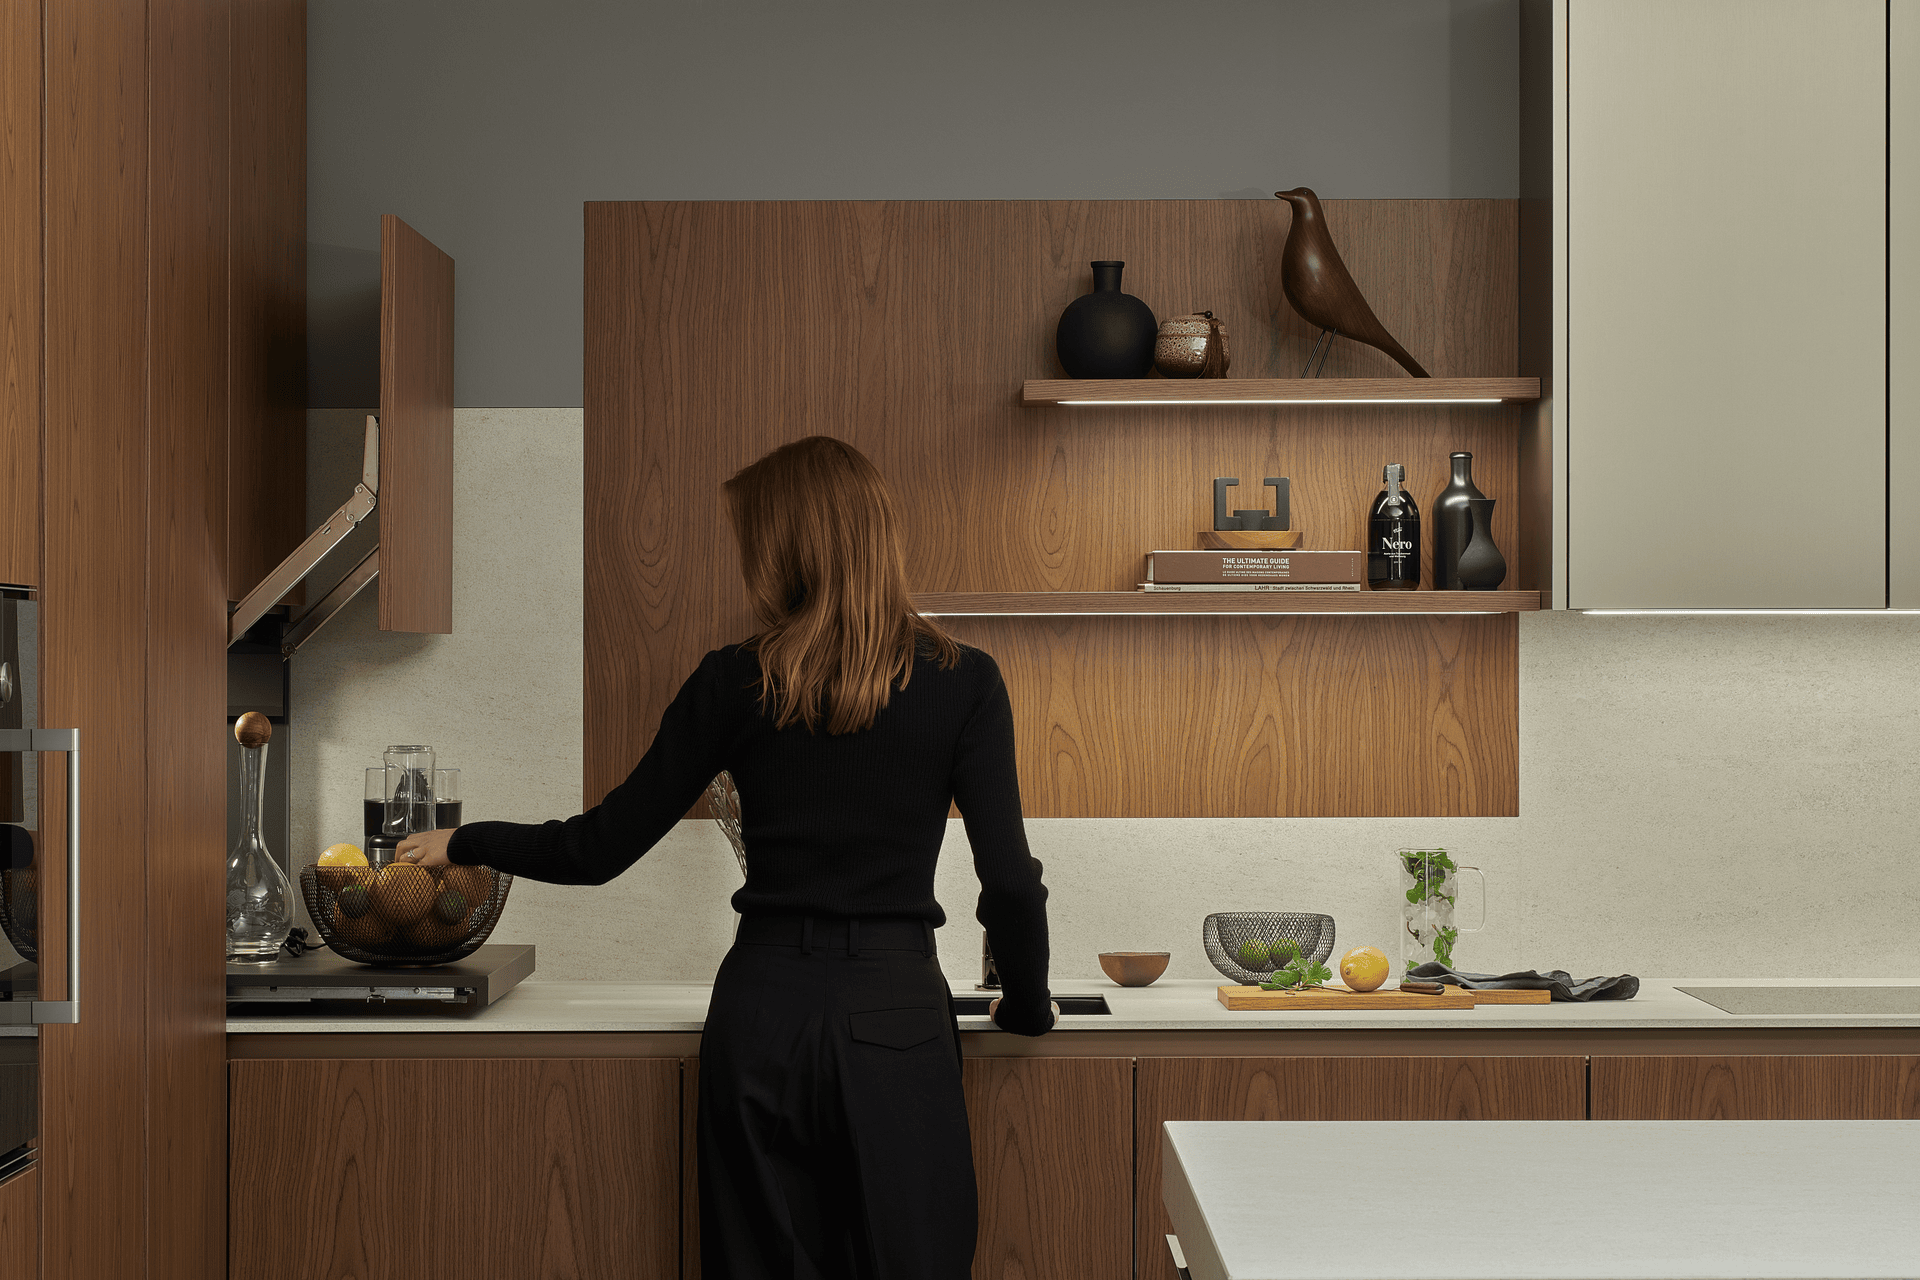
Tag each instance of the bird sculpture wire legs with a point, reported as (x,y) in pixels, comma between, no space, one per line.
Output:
(1309,370)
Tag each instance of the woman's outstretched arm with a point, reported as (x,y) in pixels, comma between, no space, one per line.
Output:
(1013,901)
(595,846)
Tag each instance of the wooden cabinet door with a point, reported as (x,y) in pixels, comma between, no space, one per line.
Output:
(1053,1155)
(21,84)
(397,1169)
(1332,1089)
(20,1225)
(1726,304)
(1757,1087)
(416,432)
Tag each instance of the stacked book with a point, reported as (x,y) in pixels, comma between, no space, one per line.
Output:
(1254,571)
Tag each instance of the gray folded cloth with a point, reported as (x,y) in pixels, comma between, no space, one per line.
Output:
(1558,981)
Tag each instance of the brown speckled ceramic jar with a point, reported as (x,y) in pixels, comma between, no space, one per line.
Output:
(1181,350)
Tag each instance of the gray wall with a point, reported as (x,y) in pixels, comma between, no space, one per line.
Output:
(486,123)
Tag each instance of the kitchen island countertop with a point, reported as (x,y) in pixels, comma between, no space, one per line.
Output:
(1171,1005)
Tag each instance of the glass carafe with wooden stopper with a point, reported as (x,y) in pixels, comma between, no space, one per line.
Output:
(259,896)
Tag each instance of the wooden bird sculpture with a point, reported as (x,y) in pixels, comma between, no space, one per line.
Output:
(1318,285)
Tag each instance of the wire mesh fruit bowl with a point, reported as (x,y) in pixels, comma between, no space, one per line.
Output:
(1241,943)
(20,910)
(404,914)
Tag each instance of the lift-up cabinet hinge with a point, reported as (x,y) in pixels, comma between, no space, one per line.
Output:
(307,556)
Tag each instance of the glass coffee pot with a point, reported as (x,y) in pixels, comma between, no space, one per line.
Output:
(1429,888)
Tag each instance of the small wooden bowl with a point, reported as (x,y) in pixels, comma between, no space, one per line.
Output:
(1134,968)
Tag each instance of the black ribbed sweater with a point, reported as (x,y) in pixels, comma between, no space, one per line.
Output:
(845,825)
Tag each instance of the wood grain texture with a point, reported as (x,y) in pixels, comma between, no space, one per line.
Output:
(416,432)
(557,1167)
(20,1226)
(1358,391)
(267,433)
(20,264)
(93,1090)
(1053,1157)
(1761,1087)
(716,331)
(949,604)
(189,74)
(1283,716)
(1467,1088)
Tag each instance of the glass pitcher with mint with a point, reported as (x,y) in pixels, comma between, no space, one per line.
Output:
(1429,890)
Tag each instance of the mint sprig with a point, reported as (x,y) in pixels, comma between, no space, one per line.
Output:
(1298,976)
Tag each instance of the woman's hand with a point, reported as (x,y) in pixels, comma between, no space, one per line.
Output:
(994,1007)
(426,848)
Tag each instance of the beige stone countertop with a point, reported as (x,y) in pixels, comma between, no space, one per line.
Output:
(1168,1005)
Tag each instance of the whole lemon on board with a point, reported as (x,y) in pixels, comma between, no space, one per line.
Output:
(342,855)
(1363,968)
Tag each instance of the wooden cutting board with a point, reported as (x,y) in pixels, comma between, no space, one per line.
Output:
(1335,997)
(1321,999)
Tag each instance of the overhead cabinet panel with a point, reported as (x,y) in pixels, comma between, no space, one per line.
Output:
(1726,303)
(416,432)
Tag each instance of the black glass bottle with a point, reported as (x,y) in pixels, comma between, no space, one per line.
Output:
(1453,523)
(1393,536)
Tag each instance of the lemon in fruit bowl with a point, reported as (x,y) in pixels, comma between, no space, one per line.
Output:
(341,855)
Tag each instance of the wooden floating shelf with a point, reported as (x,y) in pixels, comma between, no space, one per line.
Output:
(1277,391)
(956,604)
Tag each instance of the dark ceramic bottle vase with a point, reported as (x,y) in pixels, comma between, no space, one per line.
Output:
(1106,333)
(1453,523)
(1481,566)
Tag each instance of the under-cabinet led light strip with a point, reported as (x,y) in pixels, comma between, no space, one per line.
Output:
(1214,613)
(1336,400)
(1746,613)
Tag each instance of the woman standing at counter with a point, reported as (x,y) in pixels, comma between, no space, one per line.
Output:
(833,1132)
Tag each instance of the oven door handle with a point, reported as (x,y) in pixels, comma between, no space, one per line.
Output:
(67,742)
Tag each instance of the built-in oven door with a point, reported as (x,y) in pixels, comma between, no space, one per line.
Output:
(19,1098)
(39,877)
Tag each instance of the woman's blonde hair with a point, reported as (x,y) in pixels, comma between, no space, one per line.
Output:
(820,552)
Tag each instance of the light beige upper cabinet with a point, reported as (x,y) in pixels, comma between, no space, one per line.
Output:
(1903,301)
(1725,304)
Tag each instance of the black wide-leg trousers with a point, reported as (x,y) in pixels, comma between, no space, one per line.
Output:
(833,1131)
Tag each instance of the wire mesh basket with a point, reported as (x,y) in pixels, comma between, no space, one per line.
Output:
(20,910)
(404,914)
(1240,943)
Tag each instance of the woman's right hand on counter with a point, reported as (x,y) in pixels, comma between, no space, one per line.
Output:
(993,1011)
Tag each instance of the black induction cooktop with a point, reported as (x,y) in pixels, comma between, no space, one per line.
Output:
(483,977)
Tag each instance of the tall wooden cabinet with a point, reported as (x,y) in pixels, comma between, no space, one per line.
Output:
(152,297)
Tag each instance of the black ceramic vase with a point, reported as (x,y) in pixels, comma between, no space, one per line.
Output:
(1106,333)
(1453,523)
(1481,566)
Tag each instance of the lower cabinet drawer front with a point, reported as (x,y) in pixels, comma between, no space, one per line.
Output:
(446,1169)
(1757,1087)
(20,1225)
(1422,1088)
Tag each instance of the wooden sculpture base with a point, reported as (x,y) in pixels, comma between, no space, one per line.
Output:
(1247,539)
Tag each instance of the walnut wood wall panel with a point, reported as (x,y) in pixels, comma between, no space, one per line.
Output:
(1476,1088)
(716,331)
(20,245)
(690,1169)
(20,1225)
(1760,1087)
(1053,1154)
(1192,717)
(190,97)
(582,1161)
(416,432)
(267,435)
(92,620)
